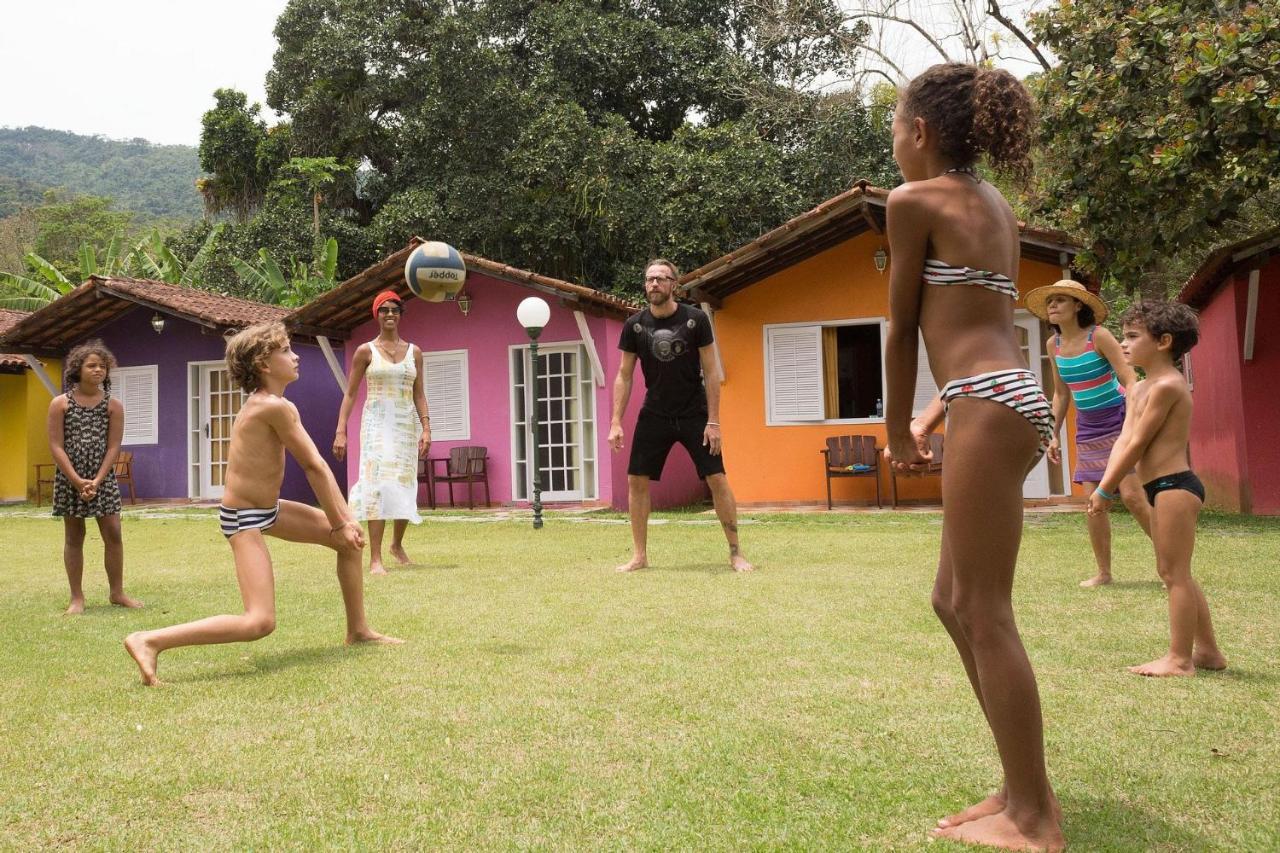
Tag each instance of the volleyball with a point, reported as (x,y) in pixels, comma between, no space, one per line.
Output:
(435,271)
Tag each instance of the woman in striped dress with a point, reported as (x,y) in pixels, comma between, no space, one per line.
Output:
(1089,371)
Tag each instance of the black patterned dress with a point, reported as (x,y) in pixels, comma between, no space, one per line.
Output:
(84,437)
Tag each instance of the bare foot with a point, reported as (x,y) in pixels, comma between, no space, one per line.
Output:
(402,558)
(739,564)
(1097,580)
(144,656)
(75,608)
(121,600)
(993,804)
(633,564)
(376,568)
(1165,666)
(1209,660)
(999,830)
(369,635)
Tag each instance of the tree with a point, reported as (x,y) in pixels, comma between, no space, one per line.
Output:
(315,173)
(592,119)
(231,135)
(64,224)
(1160,122)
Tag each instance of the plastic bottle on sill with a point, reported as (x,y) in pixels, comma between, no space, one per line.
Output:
(879,408)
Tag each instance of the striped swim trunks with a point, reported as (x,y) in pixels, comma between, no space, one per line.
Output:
(1017,389)
(235,521)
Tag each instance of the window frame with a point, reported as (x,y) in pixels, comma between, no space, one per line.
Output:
(119,381)
(882,322)
(463,357)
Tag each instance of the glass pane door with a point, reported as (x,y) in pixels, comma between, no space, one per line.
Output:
(219,403)
(565,405)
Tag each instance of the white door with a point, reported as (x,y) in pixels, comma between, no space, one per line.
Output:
(1027,328)
(565,402)
(215,401)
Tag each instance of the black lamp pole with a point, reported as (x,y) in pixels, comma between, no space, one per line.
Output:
(534,332)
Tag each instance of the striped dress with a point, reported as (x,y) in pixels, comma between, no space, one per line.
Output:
(1099,400)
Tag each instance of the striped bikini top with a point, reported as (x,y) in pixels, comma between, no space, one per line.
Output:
(943,274)
(1091,378)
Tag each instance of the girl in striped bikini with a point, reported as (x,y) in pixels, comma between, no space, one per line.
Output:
(1090,371)
(955,248)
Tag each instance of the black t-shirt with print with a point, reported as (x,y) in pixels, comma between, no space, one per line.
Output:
(667,348)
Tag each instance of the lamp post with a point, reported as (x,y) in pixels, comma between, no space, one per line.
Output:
(533,313)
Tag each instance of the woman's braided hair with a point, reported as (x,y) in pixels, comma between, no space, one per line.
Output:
(975,111)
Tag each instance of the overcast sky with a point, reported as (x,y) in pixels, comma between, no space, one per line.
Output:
(148,68)
(134,68)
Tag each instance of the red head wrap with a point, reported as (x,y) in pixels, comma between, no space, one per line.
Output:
(385,296)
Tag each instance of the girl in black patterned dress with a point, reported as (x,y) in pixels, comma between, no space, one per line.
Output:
(85,428)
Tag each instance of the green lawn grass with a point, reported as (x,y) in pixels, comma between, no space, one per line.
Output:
(544,701)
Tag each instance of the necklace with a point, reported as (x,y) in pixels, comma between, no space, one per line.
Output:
(965,170)
(390,356)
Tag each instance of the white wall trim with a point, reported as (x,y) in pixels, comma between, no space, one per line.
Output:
(1251,314)
(338,375)
(597,369)
(37,368)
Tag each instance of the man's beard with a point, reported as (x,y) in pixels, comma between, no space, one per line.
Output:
(657,297)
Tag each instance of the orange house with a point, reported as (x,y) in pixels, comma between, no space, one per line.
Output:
(800,316)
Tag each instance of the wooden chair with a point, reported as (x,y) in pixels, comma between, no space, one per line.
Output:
(124,474)
(123,470)
(934,469)
(468,465)
(844,453)
(44,479)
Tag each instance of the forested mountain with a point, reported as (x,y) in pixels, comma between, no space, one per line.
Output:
(154,180)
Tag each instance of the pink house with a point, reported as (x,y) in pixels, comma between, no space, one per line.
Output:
(1233,371)
(477,365)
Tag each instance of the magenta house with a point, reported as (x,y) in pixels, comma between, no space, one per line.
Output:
(477,364)
(178,399)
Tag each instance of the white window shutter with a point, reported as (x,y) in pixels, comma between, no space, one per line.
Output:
(445,383)
(793,355)
(137,389)
(926,388)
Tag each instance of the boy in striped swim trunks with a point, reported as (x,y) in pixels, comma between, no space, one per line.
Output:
(1089,372)
(1156,429)
(261,362)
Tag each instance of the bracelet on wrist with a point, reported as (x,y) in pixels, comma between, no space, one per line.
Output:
(713,423)
(1104,494)
(340,526)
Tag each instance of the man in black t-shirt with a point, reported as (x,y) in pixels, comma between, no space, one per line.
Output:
(673,344)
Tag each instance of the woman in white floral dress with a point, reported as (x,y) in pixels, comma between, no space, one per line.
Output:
(395,431)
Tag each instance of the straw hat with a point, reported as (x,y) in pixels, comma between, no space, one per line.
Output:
(1037,298)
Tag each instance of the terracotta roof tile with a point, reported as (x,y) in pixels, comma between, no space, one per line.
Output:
(842,217)
(340,310)
(74,316)
(11,362)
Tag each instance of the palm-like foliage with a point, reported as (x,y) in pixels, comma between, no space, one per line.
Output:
(299,286)
(150,258)
(30,292)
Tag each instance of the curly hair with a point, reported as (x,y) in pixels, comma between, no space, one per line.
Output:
(1175,319)
(1084,317)
(974,111)
(248,351)
(76,359)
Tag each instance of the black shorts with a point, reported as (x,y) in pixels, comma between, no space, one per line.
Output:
(654,437)
(1184,480)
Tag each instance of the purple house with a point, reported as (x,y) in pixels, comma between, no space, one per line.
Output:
(178,399)
(477,365)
